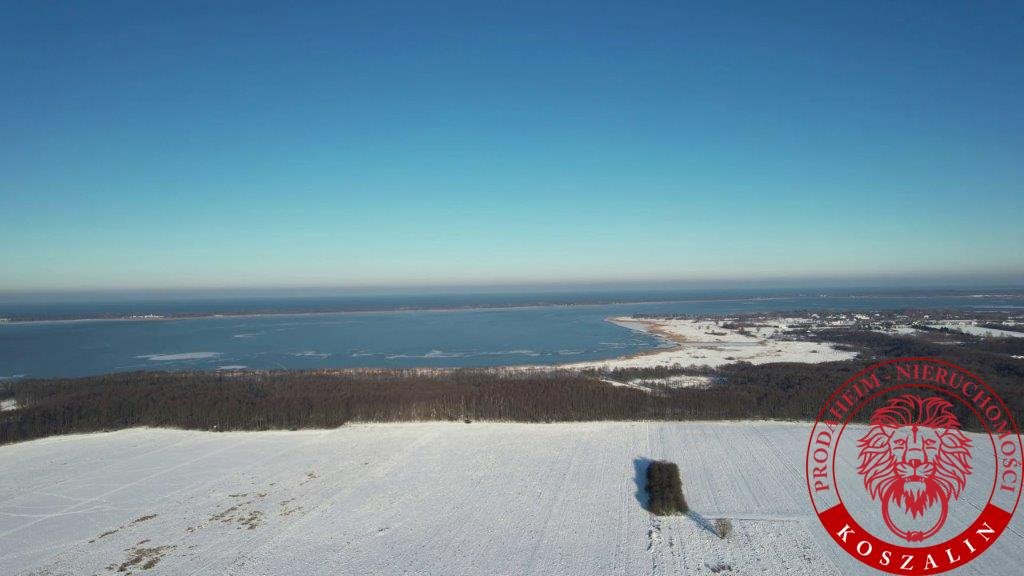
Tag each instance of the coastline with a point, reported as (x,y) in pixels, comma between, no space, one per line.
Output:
(14,319)
(696,342)
(670,341)
(474,308)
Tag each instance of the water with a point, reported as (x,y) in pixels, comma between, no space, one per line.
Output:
(549,334)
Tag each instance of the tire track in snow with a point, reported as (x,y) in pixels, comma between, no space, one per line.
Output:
(21,489)
(551,504)
(200,489)
(98,497)
(248,550)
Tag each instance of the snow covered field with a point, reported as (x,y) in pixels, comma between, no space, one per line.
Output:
(431,499)
(708,343)
(964,326)
(971,327)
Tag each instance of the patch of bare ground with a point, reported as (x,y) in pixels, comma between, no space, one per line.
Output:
(141,558)
(139,520)
(244,514)
(287,508)
(252,520)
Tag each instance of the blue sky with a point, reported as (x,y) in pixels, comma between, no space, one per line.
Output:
(258,144)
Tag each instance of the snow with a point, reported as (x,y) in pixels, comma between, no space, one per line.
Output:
(970,327)
(676,381)
(427,498)
(181,356)
(8,404)
(311,354)
(692,342)
(898,330)
(627,384)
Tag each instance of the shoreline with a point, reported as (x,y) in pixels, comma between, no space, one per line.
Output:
(697,341)
(670,341)
(198,316)
(651,328)
(15,320)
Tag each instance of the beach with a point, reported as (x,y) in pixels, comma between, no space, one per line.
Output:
(696,342)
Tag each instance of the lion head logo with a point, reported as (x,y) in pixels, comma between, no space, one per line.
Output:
(916,458)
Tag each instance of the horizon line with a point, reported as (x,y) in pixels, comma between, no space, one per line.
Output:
(936,281)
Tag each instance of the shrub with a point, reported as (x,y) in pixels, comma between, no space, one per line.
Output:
(665,489)
(723,527)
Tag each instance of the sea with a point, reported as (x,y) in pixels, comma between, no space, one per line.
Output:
(80,338)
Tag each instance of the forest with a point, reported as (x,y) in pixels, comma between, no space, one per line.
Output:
(264,400)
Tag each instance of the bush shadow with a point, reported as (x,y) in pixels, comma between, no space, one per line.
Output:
(702,522)
(640,466)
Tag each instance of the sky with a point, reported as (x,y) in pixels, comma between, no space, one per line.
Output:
(165,145)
